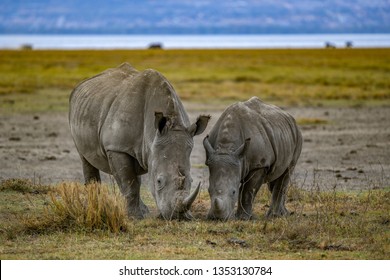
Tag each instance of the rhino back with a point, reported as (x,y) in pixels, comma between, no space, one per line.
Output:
(115,111)
(282,132)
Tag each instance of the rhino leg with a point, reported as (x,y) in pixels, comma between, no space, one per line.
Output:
(278,189)
(91,174)
(123,168)
(247,195)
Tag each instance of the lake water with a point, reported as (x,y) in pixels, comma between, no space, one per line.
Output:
(193,41)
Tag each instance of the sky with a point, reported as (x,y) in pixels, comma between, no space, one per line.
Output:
(194,17)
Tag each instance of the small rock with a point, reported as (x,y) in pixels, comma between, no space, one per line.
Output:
(50,158)
(212,243)
(237,242)
(372,146)
(14,138)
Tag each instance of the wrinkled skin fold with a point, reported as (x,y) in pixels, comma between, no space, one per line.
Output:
(128,123)
(251,143)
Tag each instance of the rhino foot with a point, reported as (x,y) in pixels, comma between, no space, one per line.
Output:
(138,212)
(276,213)
(137,215)
(245,216)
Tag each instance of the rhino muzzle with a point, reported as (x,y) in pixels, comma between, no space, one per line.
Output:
(219,210)
(181,207)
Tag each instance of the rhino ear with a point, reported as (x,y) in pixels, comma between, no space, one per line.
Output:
(159,121)
(242,149)
(199,126)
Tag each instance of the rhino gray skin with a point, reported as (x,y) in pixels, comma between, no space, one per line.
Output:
(128,123)
(251,143)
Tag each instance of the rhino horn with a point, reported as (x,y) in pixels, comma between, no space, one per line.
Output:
(207,145)
(242,149)
(191,198)
(218,205)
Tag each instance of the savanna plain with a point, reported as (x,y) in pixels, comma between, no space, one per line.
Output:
(339,197)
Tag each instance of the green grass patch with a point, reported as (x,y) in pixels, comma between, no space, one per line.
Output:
(42,80)
(311,121)
(324,225)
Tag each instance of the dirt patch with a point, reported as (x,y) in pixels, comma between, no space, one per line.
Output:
(346,148)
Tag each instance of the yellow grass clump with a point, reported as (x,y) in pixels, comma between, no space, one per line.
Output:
(92,207)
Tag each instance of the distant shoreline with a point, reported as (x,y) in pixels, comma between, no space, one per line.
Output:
(261,41)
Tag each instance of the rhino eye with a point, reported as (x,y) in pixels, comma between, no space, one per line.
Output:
(160,182)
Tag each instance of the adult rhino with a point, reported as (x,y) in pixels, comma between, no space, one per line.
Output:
(251,143)
(127,123)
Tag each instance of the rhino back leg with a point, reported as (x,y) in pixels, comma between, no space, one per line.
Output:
(124,169)
(91,174)
(278,189)
(248,193)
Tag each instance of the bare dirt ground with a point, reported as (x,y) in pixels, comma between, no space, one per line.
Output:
(350,150)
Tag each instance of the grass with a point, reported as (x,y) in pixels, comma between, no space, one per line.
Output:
(68,223)
(37,81)
(89,207)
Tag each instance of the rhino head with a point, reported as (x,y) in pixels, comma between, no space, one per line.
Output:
(170,166)
(225,168)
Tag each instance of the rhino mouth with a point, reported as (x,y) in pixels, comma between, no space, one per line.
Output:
(219,211)
(180,216)
(213,217)
(181,207)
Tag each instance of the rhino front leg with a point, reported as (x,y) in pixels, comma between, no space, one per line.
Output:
(123,168)
(91,174)
(247,195)
(278,189)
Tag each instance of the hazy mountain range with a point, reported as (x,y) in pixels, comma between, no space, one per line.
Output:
(194,17)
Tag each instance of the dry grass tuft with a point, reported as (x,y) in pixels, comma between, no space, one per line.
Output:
(69,207)
(91,207)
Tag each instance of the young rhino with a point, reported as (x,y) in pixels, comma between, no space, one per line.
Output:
(252,143)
